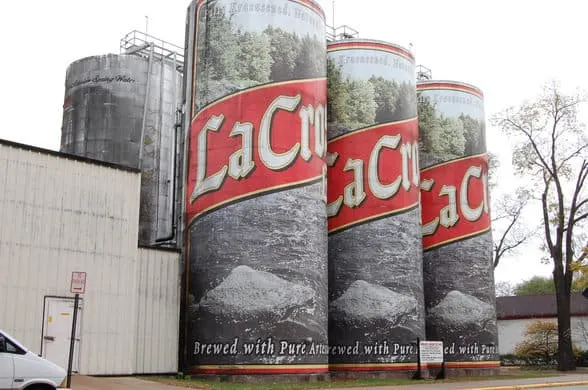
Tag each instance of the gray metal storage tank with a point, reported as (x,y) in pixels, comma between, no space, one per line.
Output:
(122,109)
(457,237)
(376,304)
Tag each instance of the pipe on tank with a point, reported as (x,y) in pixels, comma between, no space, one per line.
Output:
(171,238)
(147,88)
(172,202)
(158,154)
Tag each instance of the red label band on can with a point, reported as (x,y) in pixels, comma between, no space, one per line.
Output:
(256,141)
(454,199)
(373,173)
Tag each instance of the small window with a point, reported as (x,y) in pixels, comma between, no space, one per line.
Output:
(11,348)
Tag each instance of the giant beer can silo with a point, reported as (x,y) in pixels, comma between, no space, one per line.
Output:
(121,109)
(256,188)
(375,254)
(457,238)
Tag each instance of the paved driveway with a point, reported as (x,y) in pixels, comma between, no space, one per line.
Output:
(125,383)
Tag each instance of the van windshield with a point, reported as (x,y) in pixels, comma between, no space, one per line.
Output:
(15,345)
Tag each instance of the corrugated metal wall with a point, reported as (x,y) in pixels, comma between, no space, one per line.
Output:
(158,311)
(60,215)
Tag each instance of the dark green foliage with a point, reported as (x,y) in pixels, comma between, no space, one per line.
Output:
(217,45)
(230,60)
(311,58)
(359,103)
(362,110)
(337,94)
(538,285)
(407,102)
(474,132)
(582,359)
(449,137)
(254,61)
(285,49)
(386,92)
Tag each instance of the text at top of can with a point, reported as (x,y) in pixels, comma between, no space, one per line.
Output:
(457,239)
(375,268)
(255,191)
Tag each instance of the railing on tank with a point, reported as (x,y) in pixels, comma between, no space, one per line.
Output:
(341,32)
(423,73)
(140,43)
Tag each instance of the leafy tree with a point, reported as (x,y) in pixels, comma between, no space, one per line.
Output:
(581,282)
(537,285)
(540,342)
(454,135)
(386,97)
(395,101)
(493,166)
(362,107)
(285,49)
(254,60)
(474,132)
(427,121)
(218,45)
(337,94)
(551,150)
(406,106)
(504,289)
(310,62)
(442,136)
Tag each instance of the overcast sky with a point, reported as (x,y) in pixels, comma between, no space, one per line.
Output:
(506,48)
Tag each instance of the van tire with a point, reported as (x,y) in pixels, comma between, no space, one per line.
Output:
(40,387)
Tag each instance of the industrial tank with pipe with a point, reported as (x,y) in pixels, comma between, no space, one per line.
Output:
(122,109)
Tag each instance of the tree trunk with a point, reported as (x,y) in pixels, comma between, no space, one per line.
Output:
(565,361)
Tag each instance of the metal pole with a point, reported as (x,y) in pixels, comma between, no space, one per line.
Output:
(72,340)
(334,14)
(442,374)
(418,374)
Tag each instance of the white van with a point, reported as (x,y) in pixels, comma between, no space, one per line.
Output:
(21,369)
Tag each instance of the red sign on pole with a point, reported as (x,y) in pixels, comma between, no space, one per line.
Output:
(78,282)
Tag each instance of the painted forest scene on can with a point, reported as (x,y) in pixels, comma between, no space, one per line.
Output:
(446,135)
(231,57)
(356,103)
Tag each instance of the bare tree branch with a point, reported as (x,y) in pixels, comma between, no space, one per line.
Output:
(546,223)
(510,208)
(582,203)
(580,218)
(576,153)
(533,144)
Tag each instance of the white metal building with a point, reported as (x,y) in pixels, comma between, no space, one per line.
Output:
(61,214)
(516,313)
